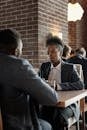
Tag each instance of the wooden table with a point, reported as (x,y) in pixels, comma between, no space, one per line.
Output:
(66,98)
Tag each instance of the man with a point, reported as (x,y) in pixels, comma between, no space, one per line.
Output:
(18,80)
(66,78)
(79,58)
(81,51)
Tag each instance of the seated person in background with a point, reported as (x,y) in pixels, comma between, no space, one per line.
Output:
(72,53)
(66,78)
(81,51)
(18,80)
(66,52)
(79,58)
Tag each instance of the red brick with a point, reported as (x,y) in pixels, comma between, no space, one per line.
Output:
(34,19)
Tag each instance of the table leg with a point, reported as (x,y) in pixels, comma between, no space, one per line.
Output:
(82,109)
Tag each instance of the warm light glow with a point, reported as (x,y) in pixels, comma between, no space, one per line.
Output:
(60,35)
(75,12)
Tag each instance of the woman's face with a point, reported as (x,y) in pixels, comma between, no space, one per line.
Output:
(54,53)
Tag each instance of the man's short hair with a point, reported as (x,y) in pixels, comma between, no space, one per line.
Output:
(9,39)
(72,52)
(54,40)
(66,50)
(81,51)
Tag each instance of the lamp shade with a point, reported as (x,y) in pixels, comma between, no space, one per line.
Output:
(75,12)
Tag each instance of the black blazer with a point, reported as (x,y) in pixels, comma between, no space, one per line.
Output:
(17,80)
(69,80)
(69,77)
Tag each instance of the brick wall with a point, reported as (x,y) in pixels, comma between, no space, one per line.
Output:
(34,19)
(22,16)
(72,30)
(82,26)
(72,34)
(78,30)
(52,18)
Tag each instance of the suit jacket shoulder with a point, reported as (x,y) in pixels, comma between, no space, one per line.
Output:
(69,77)
(44,70)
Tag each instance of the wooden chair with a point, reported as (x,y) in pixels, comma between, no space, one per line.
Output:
(80,71)
(72,120)
(1,128)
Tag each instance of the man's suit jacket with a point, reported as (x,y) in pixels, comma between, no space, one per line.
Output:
(83,61)
(18,80)
(69,79)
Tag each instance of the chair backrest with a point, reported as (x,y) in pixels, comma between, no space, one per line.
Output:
(15,104)
(80,71)
(73,120)
(36,69)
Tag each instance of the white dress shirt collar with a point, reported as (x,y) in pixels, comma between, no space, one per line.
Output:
(58,67)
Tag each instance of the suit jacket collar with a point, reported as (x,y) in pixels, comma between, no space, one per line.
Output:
(62,65)
(62,71)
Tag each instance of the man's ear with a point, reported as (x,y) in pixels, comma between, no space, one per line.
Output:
(17,52)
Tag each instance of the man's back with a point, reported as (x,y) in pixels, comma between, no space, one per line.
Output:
(15,104)
(14,88)
(83,61)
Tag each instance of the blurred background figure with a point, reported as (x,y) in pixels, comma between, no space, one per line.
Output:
(66,52)
(72,53)
(81,51)
(79,57)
